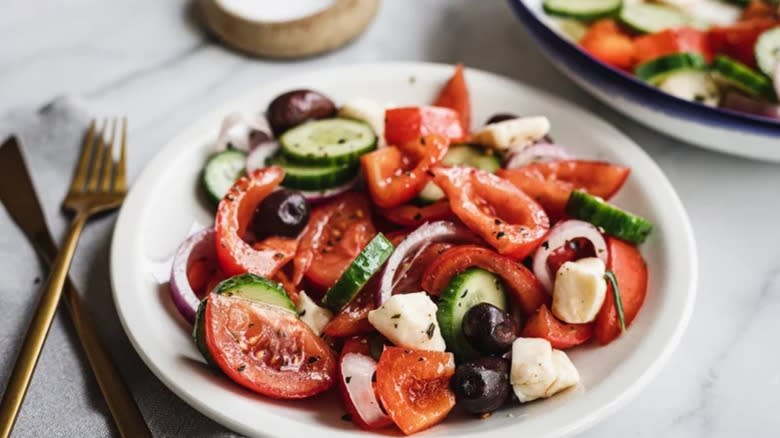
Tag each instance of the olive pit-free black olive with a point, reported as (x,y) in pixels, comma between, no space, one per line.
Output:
(489,329)
(297,106)
(282,213)
(482,386)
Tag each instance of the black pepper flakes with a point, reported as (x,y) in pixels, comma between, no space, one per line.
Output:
(431,330)
(396,316)
(241,368)
(347,379)
(500,234)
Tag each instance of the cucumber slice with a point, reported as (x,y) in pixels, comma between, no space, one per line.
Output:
(328,142)
(313,177)
(459,155)
(768,50)
(254,288)
(199,335)
(586,10)
(221,171)
(365,265)
(656,70)
(466,290)
(740,76)
(651,17)
(693,85)
(611,219)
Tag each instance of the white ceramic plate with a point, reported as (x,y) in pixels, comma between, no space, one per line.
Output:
(163,205)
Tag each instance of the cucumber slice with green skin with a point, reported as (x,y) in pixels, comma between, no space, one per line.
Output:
(459,155)
(313,177)
(199,335)
(221,171)
(768,51)
(656,70)
(611,219)
(466,290)
(254,288)
(365,265)
(586,10)
(651,17)
(741,77)
(328,142)
(693,85)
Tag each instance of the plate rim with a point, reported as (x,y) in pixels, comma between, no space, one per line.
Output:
(623,396)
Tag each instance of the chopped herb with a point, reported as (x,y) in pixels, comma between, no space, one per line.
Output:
(420,359)
(610,277)
(303,312)
(348,379)
(241,368)
(395,325)
(497,222)
(431,330)
(342,140)
(464,293)
(500,234)
(278,256)
(546,245)
(396,316)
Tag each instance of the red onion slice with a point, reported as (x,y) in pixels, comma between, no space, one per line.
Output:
(561,233)
(538,152)
(243,132)
(198,246)
(412,246)
(358,370)
(316,196)
(260,154)
(744,104)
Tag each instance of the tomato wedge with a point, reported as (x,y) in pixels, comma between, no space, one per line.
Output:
(414,387)
(630,269)
(353,318)
(396,175)
(234,214)
(523,286)
(494,208)
(543,324)
(455,95)
(550,184)
(335,234)
(267,349)
(410,215)
(407,124)
(739,40)
(606,42)
(670,41)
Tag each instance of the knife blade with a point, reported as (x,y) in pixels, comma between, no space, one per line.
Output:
(17,193)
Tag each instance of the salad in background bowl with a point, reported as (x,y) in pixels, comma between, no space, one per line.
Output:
(704,71)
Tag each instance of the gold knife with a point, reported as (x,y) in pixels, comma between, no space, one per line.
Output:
(18,195)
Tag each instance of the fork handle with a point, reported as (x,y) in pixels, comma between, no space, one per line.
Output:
(39,328)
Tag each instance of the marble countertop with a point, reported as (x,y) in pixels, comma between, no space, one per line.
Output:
(150,60)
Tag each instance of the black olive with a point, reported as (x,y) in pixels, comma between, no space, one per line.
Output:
(489,329)
(502,117)
(482,386)
(283,213)
(295,107)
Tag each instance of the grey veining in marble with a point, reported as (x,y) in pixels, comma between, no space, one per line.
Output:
(150,60)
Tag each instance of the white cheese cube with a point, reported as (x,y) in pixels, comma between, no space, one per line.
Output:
(513,134)
(579,290)
(533,370)
(313,315)
(409,320)
(567,374)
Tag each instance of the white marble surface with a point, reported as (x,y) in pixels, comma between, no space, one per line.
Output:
(149,59)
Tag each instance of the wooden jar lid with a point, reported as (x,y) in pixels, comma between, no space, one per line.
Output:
(288,29)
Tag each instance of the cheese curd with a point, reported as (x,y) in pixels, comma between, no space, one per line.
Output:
(579,290)
(409,320)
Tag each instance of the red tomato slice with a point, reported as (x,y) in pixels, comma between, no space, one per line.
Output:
(550,184)
(606,42)
(267,349)
(234,215)
(543,324)
(523,286)
(414,387)
(495,209)
(630,269)
(353,318)
(670,41)
(407,124)
(410,215)
(739,40)
(455,95)
(335,234)
(395,177)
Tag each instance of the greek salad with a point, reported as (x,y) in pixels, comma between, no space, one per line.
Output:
(722,53)
(405,260)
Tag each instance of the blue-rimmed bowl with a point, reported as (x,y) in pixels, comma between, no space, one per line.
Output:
(712,128)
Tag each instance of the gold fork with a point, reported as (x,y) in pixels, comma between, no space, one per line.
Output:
(98,185)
